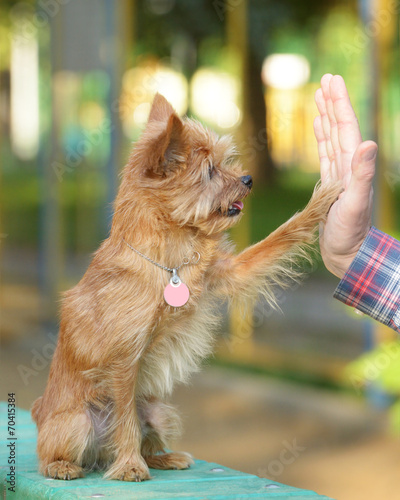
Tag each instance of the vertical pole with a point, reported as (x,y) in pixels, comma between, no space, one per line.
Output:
(385,21)
(381,45)
(111,16)
(51,260)
(237,38)
(119,33)
(373,13)
(241,324)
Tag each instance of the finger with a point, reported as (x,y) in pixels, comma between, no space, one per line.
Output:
(325,86)
(348,129)
(359,190)
(320,102)
(322,153)
(364,162)
(321,140)
(322,108)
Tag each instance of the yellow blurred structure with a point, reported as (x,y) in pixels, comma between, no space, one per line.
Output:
(290,114)
(237,38)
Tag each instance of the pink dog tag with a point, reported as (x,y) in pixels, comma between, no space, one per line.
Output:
(176,295)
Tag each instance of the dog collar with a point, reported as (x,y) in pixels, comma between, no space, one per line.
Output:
(176,293)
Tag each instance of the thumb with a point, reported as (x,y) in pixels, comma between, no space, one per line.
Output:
(363,170)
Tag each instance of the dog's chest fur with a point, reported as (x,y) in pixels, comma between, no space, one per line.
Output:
(137,324)
(180,337)
(179,344)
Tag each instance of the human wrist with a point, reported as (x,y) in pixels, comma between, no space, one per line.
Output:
(338,264)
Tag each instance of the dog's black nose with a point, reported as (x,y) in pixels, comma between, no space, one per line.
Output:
(247,180)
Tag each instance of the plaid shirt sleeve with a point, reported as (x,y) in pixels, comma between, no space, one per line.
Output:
(372,282)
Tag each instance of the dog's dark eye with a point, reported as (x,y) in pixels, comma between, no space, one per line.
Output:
(211,171)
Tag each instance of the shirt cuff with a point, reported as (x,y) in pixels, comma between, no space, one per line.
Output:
(372,282)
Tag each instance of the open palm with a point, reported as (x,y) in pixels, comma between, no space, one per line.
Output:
(346,158)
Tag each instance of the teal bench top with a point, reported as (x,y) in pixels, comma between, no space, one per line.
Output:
(203,481)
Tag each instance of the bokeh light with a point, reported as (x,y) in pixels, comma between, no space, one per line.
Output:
(215,96)
(285,71)
(139,86)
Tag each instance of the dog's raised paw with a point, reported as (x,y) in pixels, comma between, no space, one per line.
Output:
(173,460)
(61,469)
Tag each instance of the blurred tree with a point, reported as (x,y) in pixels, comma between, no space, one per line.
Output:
(160,22)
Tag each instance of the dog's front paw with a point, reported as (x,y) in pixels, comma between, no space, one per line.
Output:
(324,197)
(173,460)
(61,469)
(132,471)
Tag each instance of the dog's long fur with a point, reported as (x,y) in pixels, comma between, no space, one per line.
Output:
(121,347)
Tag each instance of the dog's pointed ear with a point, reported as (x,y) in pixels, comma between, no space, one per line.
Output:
(161,109)
(167,150)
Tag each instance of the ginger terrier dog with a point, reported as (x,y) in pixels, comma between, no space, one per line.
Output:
(144,314)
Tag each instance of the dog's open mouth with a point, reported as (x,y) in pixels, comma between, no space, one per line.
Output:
(235,208)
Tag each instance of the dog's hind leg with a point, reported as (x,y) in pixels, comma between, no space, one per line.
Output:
(171,460)
(64,440)
(160,424)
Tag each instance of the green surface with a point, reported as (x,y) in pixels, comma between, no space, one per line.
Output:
(203,481)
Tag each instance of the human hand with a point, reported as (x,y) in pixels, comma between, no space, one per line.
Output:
(346,158)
